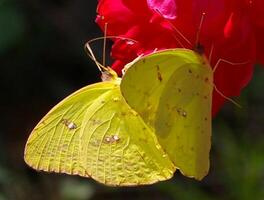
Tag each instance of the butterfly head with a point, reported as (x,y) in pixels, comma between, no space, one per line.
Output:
(109,75)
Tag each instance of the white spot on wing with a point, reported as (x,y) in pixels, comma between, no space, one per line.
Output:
(116,99)
(111,139)
(116,138)
(182,112)
(70,125)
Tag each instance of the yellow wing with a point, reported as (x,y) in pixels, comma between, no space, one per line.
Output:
(183,120)
(94,133)
(172,91)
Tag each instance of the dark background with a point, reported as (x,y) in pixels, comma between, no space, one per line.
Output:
(42,61)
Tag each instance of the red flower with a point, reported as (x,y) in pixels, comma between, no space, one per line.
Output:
(256,9)
(230,27)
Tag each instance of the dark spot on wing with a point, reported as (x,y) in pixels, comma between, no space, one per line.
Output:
(146,93)
(159,76)
(95,121)
(182,112)
(158,73)
(123,114)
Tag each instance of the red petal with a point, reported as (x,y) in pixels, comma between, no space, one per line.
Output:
(256,9)
(118,17)
(127,50)
(157,24)
(118,65)
(260,44)
(237,46)
(167,8)
(138,6)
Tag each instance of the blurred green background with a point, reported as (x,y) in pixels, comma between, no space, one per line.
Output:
(42,61)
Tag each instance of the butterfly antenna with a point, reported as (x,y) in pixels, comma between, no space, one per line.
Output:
(211,53)
(90,53)
(197,42)
(179,42)
(104,48)
(227,98)
(111,37)
(177,31)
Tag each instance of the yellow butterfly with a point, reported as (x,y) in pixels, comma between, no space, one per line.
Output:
(94,133)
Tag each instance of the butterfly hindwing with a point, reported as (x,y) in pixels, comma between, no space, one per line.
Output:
(121,149)
(54,145)
(94,133)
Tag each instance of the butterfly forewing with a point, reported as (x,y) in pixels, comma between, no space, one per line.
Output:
(183,119)
(163,88)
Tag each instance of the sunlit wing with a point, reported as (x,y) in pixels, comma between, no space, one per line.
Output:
(172,91)
(94,133)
